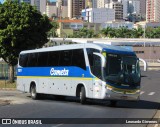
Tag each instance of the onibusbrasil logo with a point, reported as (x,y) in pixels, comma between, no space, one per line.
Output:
(59,72)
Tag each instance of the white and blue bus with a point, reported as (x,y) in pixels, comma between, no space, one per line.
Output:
(87,71)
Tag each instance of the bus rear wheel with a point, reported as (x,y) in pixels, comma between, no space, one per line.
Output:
(83,95)
(34,94)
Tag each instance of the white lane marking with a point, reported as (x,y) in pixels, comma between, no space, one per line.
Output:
(142,92)
(57,125)
(151,93)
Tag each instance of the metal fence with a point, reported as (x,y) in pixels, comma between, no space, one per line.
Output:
(4,71)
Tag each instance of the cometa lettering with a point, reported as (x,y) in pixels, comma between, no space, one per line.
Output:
(63,72)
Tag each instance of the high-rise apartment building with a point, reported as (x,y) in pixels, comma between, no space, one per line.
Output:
(51,9)
(118,7)
(143,8)
(101,3)
(94,3)
(153,11)
(75,7)
(40,4)
(125,8)
(62,6)
(88,4)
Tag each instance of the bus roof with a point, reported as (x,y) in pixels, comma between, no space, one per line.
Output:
(101,47)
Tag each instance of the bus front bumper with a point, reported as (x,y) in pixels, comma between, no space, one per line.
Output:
(115,95)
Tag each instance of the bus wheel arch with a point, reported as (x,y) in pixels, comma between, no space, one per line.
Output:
(33,91)
(81,93)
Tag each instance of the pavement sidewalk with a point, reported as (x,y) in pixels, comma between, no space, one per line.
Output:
(4,102)
(7,89)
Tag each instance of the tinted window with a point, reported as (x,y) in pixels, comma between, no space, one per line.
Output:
(90,55)
(23,60)
(53,58)
(96,68)
(42,59)
(78,58)
(65,58)
(32,61)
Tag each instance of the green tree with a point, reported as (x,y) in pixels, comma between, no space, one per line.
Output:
(137,33)
(22,27)
(123,32)
(52,32)
(109,32)
(83,33)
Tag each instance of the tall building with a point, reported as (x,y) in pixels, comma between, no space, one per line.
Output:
(134,6)
(118,7)
(94,3)
(101,3)
(125,8)
(40,4)
(51,9)
(75,7)
(98,15)
(143,8)
(62,6)
(153,11)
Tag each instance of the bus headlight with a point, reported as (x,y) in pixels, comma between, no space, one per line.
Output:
(109,88)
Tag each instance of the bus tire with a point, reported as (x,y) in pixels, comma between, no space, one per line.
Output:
(34,94)
(83,95)
(113,103)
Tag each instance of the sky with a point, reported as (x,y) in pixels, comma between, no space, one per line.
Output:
(1,1)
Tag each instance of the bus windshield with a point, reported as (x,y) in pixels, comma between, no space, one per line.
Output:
(122,70)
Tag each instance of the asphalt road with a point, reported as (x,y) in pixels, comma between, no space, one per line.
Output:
(22,106)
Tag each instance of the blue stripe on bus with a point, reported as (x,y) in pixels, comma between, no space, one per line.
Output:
(54,71)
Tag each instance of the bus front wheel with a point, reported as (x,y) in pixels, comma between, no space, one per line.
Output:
(83,95)
(34,94)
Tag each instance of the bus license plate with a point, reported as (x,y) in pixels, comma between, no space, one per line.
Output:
(124,97)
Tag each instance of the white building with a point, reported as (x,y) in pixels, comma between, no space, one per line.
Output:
(101,3)
(94,3)
(125,8)
(40,4)
(62,6)
(98,15)
(113,24)
(118,7)
(51,9)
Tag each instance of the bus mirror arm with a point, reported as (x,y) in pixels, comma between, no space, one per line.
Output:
(145,64)
(103,60)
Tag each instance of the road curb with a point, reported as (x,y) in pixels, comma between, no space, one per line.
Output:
(157,115)
(8,89)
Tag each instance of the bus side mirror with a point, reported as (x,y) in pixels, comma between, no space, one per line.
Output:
(103,60)
(145,64)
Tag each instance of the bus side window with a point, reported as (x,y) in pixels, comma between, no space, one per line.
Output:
(90,57)
(23,60)
(53,58)
(96,68)
(65,58)
(78,59)
(32,60)
(42,59)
